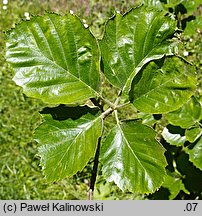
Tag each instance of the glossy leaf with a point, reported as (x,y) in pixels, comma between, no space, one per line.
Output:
(195,154)
(187,115)
(192,134)
(132,40)
(174,184)
(147,119)
(132,158)
(66,146)
(54,58)
(163,86)
(173,138)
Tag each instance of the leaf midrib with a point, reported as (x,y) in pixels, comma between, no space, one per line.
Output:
(76,137)
(157,87)
(51,61)
(133,153)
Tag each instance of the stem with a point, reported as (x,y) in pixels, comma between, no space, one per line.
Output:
(118,99)
(107,112)
(122,105)
(112,108)
(116,116)
(106,101)
(94,172)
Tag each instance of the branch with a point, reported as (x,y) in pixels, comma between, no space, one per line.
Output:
(106,101)
(122,105)
(94,172)
(107,112)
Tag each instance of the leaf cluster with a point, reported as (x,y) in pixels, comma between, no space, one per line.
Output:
(58,60)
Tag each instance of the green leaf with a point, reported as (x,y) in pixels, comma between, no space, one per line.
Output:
(67,146)
(173,3)
(132,40)
(173,135)
(192,134)
(152,3)
(163,86)
(187,115)
(54,58)
(147,119)
(103,191)
(191,6)
(193,26)
(132,158)
(195,154)
(174,183)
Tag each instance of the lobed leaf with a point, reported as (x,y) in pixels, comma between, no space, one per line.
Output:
(66,146)
(132,40)
(54,58)
(132,158)
(163,86)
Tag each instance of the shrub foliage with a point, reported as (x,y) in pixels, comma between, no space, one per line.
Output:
(58,60)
